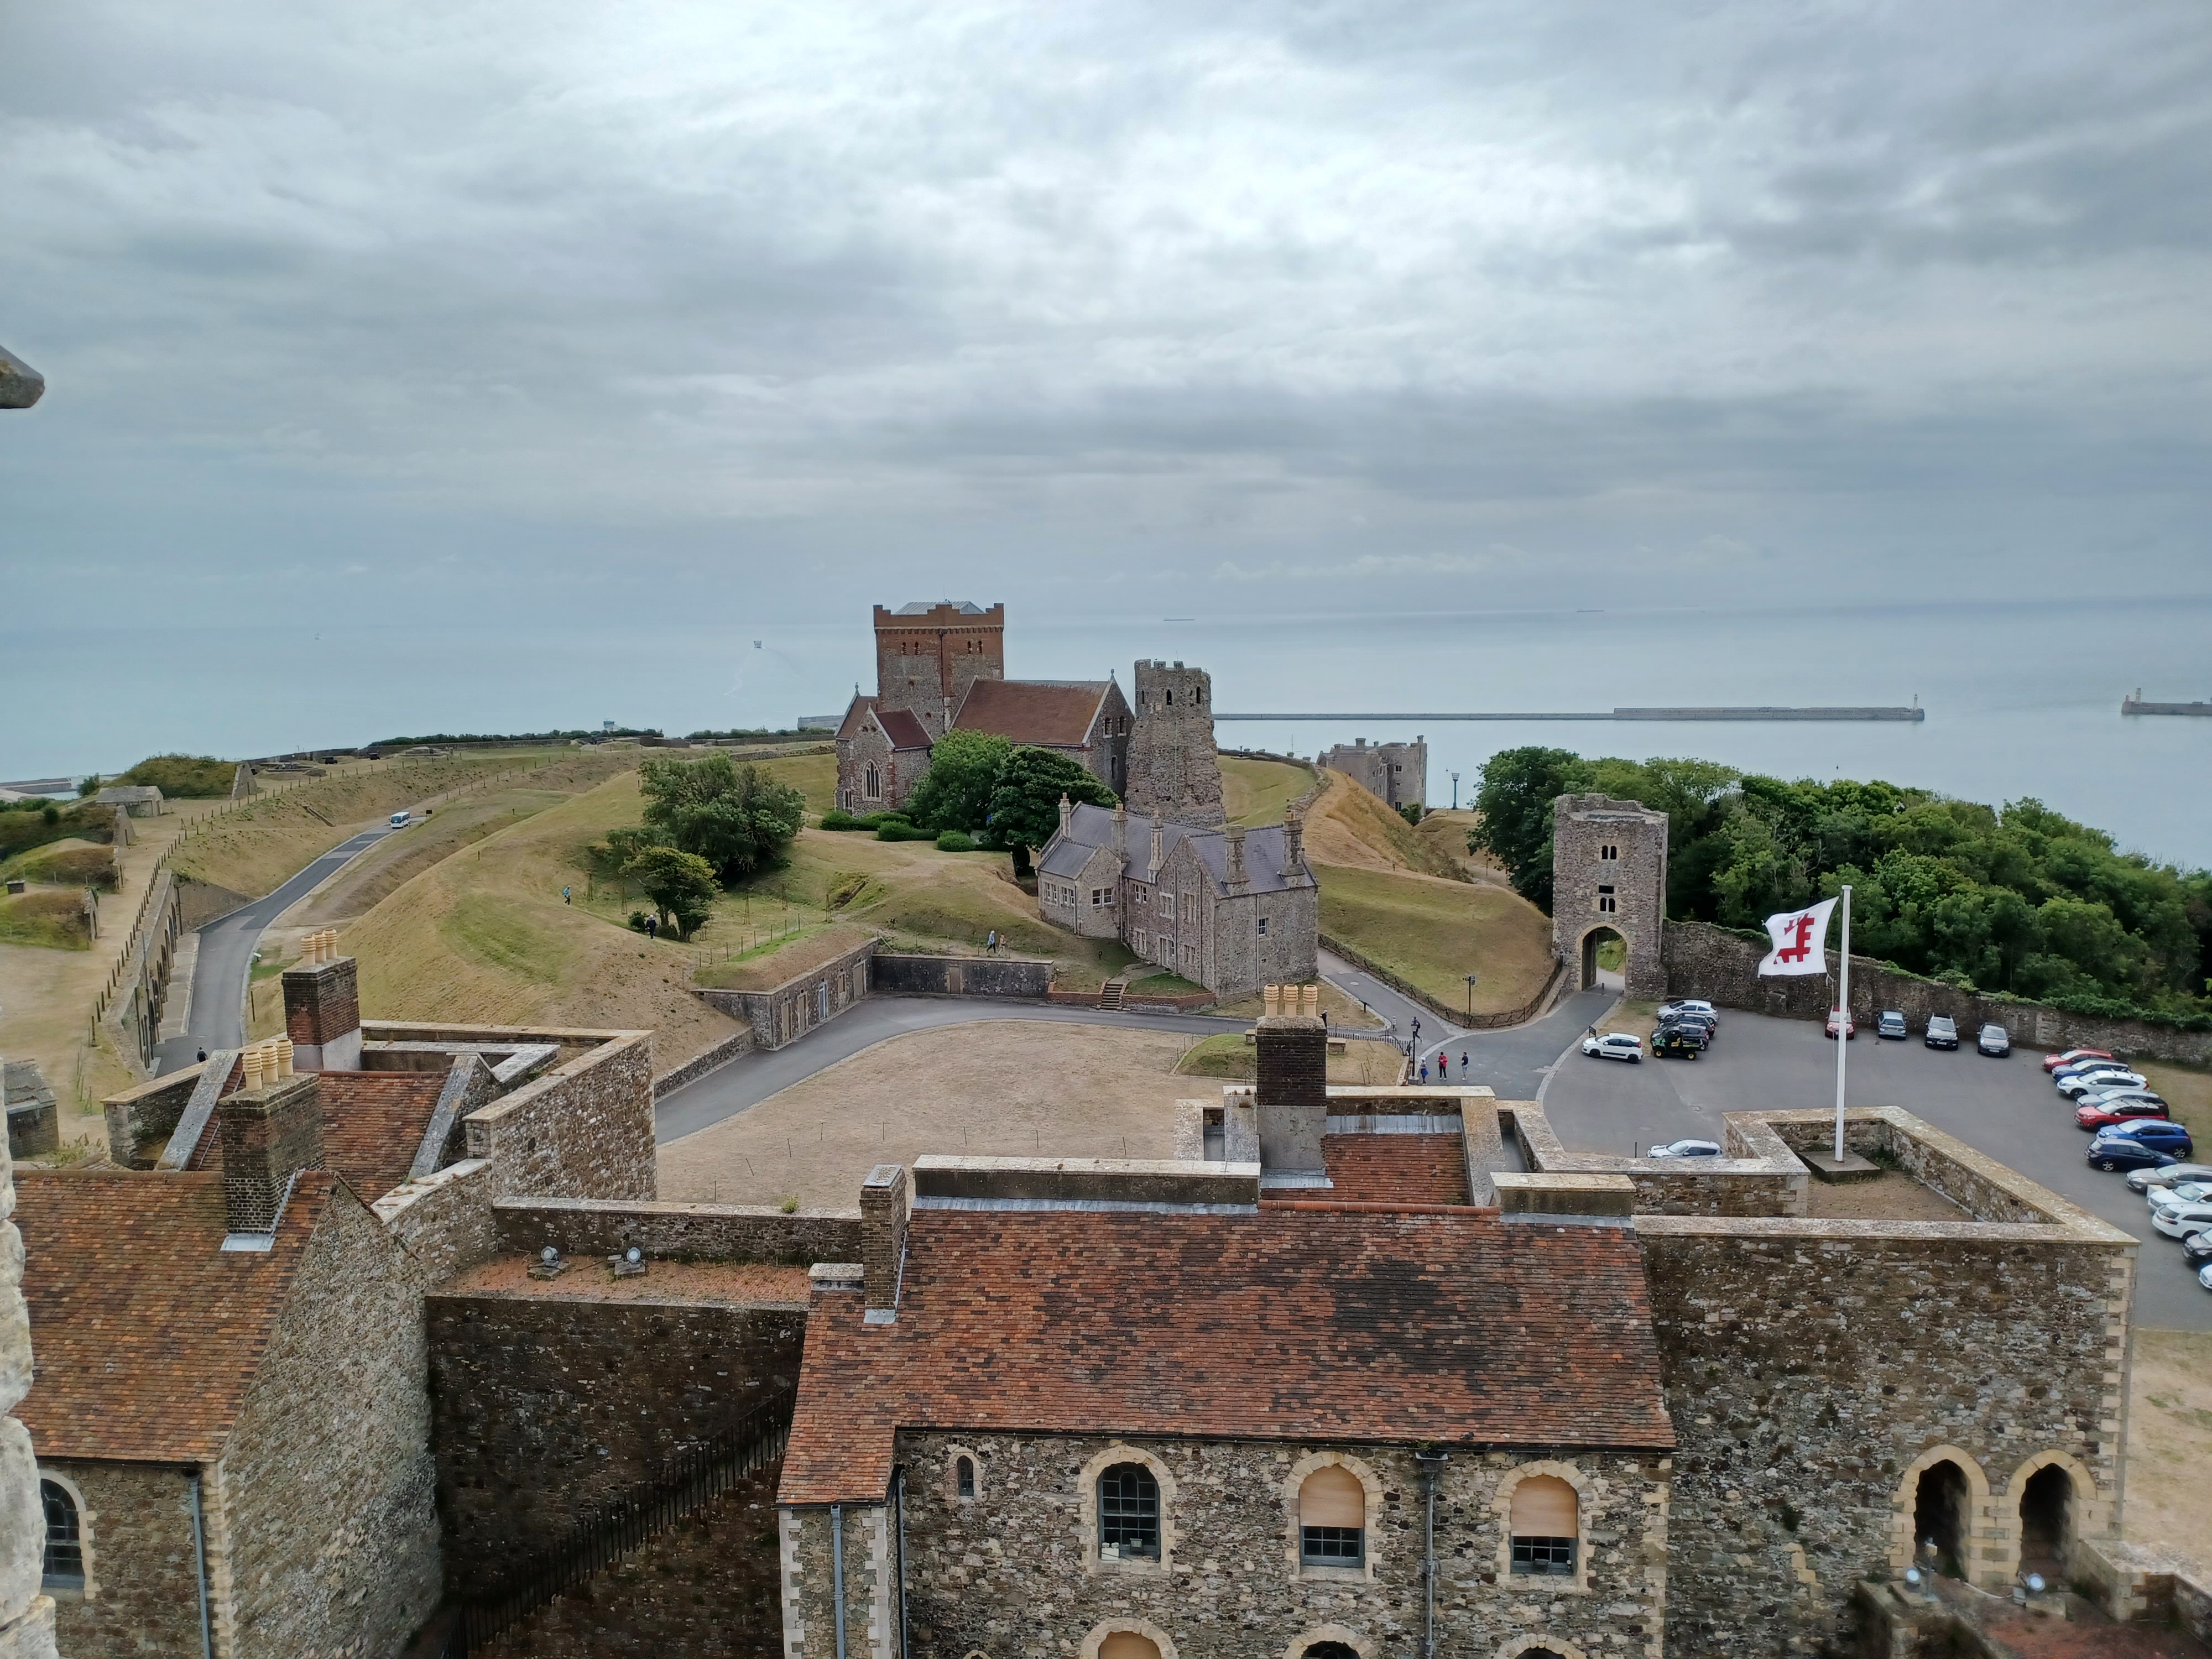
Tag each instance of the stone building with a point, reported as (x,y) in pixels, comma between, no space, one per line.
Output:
(1232,909)
(1175,772)
(942,667)
(1397,773)
(230,1411)
(1609,876)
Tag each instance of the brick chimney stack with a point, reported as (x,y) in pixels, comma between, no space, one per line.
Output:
(268,1135)
(1234,838)
(1294,843)
(322,1009)
(1292,1095)
(883,1239)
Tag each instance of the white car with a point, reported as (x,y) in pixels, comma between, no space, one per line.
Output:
(2094,1082)
(2204,1275)
(1685,1149)
(1614,1045)
(2182,1192)
(2183,1219)
(2142,1181)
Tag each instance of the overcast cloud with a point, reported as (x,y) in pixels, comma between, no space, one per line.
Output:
(1324,304)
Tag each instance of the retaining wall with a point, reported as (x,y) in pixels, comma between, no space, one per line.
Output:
(903,974)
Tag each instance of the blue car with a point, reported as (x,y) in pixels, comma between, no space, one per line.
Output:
(2125,1147)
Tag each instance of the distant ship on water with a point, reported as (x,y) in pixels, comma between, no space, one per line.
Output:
(2136,705)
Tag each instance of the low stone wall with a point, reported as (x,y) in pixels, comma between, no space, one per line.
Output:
(729,1049)
(1708,962)
(781,1017)
(695,1233)
(900,973)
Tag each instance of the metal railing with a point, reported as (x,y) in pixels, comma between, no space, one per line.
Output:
(608,1531)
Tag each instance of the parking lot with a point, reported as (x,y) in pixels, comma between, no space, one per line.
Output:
(2005,1108)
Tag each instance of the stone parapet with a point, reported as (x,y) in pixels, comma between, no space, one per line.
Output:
(1101,1182)
(699,1232)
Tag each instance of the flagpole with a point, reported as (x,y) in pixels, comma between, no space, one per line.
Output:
(1843,1022)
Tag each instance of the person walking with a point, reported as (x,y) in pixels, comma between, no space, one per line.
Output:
(565,892)
(1463,1065)
(652,926)
(1425,1071)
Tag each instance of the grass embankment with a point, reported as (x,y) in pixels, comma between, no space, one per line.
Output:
(66,864)
(1351,827)
(184,777)
(2188,1095)
(1432,933)
(1257,792)
(52,920)
(1230,1058)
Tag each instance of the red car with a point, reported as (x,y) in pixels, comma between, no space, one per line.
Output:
(2120,1111)
(2072,1056)
(1837,1017)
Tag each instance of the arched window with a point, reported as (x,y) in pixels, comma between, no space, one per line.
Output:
(875,782)
(1128,1645)
(963,1476)
(1129,1514)
(2045,1509)
(1168,698)
(64,1566)
(1330,1650)
(1198,694)
(1544,1526)
(1332,1520)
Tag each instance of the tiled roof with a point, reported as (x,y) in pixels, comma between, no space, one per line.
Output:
(373,1125)
(900,726)
(1053,712)
(1092,827)
(854,713)
(1395,1169)
(1311,1325)
(145,1330)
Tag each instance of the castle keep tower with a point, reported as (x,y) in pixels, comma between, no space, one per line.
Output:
(1174,771)
(928,655)
(1608,874)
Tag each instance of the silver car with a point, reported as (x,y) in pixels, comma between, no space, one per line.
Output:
(1687,1149)
(2142,1181)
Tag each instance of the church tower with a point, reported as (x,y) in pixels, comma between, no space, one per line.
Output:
(1173,771)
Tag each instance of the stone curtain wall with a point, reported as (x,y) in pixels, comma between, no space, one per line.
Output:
(683,1232)
(1015,1569)
(326,1483)
(903,975)
(1708,962)
(142,1587)
(1807,1366)
(705,1589)
(545,1406)
(585,1129)
(782,1016)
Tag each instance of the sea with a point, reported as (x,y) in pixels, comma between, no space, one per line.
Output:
(2023,697)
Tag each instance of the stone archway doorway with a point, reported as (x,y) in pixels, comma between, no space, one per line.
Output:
(2046,1506)
(1940,1514)
(1604,959)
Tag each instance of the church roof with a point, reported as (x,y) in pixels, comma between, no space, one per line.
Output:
(1050,714)
(1092,827)
(900,726)
(854,714)
(1324,1324)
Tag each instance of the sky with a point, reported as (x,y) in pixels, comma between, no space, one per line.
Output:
(515,312)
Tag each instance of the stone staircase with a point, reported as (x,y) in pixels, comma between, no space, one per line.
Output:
(1110,994)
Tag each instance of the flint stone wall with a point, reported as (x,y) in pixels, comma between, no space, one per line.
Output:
(1808,1365)
(781,1017)
(1708,962)
(692,1232)
(1016,1570)
(142,1592)
(899,975)
(546,1406)
(584,1128)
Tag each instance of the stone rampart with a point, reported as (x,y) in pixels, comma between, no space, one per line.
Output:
(1723,968)
(583,1128)
(589,1227)
(781,1016)
(901,974)
(712,1059)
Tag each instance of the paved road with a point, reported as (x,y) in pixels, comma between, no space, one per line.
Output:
(1514,1063)
(2006,1108)
(750,1078)
(227,943)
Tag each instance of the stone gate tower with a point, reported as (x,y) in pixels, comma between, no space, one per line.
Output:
(928,655)
(1609,872)
(1174,771)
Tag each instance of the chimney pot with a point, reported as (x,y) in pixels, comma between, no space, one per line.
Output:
(268,1134)
(322,1013)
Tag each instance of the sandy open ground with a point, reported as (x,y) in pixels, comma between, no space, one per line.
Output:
(2170,1443)
(1006,1088)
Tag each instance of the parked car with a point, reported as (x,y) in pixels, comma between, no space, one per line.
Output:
(2087,1068)
(2072,1056)
(1676,1043)
(1687,1149)
(1995,1041)
(1838,1018)
(2183,1219)
(1690,1006)
(2114,1097)
(2142,1181)
(1891,1024)
(2183,1192)
(1709,1024)
(1614,1045)
(2196,1249)
(2093,1083)
(2204,1273)
(2089,1114)
(2112,1153)
(1942,1032)
(1689,1032)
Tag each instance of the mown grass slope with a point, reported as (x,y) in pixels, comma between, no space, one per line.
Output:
(1432,933)
(1256,792)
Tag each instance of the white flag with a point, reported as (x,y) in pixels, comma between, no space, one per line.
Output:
(1799,937)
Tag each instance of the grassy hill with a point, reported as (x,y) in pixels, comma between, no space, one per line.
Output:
(1256,792)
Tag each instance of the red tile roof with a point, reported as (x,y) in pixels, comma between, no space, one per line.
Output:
(1285,1324)
(853,715)
(1377,1168)
(145,1331)
(373,1125)
(902,728)
(1056,713)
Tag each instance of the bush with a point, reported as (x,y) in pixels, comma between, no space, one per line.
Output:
(637,919)
(184,777)
(838,818)
(899,830)
(1411,812)
(956,841)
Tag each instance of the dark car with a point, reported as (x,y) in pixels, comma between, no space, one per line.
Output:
(1709,1024)
(1994,1041)
(1942,1032)
(2113,1153)
(1687,1030)
(2198,1249)
(1675,1043)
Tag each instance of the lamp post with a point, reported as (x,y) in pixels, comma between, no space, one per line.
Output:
(1470,1000)
(1454,778)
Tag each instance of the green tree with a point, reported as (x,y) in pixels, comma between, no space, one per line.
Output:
(955,793)
(1515,804)
(680,884)
(737,818)
(1025,801)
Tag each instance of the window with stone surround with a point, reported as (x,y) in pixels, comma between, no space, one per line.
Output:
(875,788)
(64,1554)
(1263,927)
(1608,853)
(1129,1514)
(1545,1527)
(1331,1519)
(1607,903)
(1101,897)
